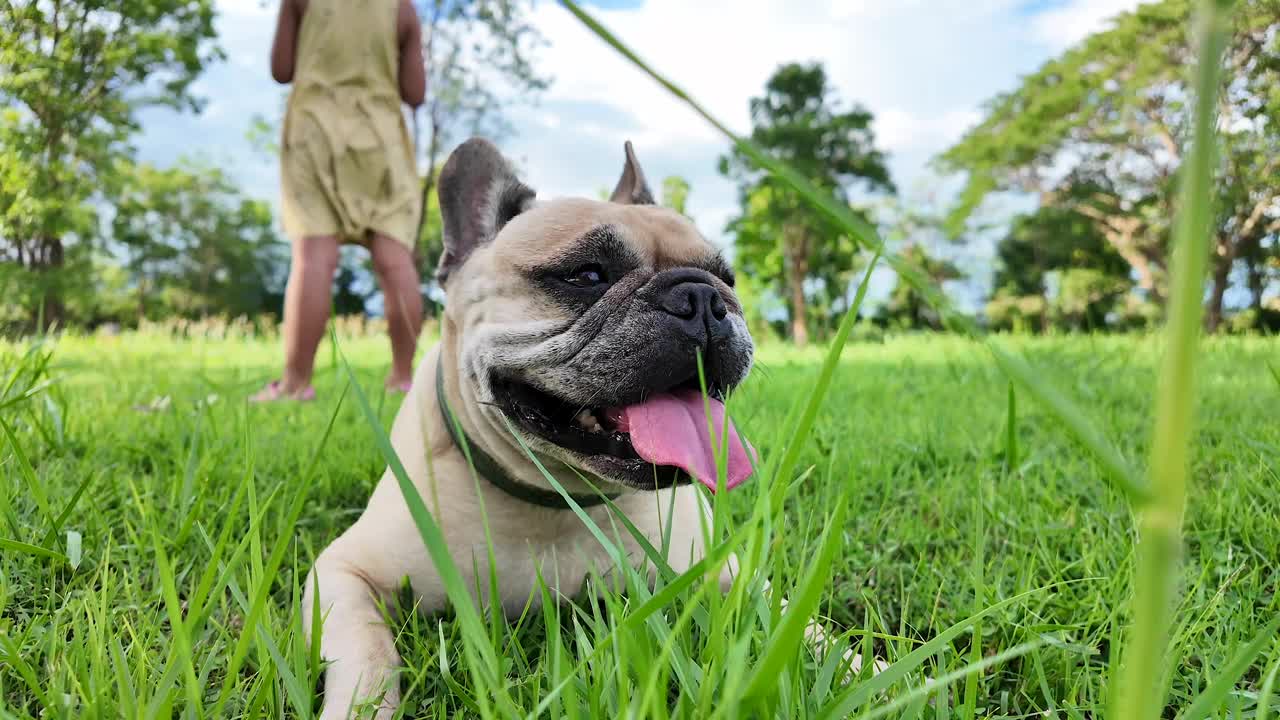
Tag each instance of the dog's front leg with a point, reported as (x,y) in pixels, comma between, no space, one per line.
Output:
(355,639)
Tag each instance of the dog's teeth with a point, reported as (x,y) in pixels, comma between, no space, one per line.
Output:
(587,421)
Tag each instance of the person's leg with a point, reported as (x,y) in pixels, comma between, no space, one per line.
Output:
(307,299)
(402,301)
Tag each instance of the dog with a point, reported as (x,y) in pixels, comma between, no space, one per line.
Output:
(598,335)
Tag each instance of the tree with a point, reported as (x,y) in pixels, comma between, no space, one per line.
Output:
(479,56)
(780,240)
(906,307)
(1111,113)
(675,193)
(73,76)
(192,245)
(1057,245)
(915,227)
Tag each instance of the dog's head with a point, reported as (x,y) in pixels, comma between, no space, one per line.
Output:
(584,324)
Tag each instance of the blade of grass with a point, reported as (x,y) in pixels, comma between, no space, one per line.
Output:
(178,629)
(977,572)
(299,695)
(34,487)
(1075,421)
(782,644)
(945,680)
(852,697)
(818,394)
(1264,694)
(59,521)
(29,549)
(272,566)
(482,660)
(1011,434)
(13,657)
(1213,696)
(1140,695)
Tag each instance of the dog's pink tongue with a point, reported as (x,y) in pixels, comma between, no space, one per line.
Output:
(671,429)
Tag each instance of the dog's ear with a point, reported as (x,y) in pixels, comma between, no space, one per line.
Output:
(632,188)
(479,193)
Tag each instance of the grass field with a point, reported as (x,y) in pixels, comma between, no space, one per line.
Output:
(146,583)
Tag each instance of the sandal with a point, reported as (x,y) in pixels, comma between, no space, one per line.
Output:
(275,391)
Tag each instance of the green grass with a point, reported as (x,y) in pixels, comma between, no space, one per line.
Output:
(181,515)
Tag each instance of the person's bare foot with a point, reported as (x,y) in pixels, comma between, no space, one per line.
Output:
(398,385)
(275,390)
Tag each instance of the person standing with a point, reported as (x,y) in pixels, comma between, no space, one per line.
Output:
(347,169)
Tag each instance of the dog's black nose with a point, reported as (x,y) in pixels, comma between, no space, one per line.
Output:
(698,309)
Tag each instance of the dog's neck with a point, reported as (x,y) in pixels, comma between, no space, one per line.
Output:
(495,452)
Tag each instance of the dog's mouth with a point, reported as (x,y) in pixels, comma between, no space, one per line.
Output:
(650,440)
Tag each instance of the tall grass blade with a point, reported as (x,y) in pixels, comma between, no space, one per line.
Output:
(1140,696)
(482,661)
(782,644)
(29,549)
(939,683)
(1213,696)
(61,520)
(1075,421)
(1011,433)
(270,569)
(856,695)
(35,488)
(1263,708)
(819,392)
(299,695)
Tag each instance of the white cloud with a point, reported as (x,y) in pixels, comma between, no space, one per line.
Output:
(898,129)
(922,66)
(1065,26)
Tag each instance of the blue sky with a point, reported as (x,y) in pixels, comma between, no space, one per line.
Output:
(924,67)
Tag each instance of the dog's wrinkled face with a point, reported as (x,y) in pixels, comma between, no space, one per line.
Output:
(584,323)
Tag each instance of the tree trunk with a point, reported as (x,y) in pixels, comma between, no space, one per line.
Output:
(1256,285)
(51,310)
(797,270)
(142,300)
(1222,261)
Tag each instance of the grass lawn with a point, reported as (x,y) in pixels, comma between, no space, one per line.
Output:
(161,571)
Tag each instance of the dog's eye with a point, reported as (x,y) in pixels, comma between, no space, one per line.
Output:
(586,276)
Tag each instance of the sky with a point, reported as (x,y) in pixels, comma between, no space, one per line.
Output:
(923,67)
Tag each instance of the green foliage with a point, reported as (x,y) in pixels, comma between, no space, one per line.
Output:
(192,245)
(907,308)
(479,57)
(675,193)
(802,256)
(1110,115)
(1018,313)
(915,227)
(73,77)
(1055,267)
(1051,239)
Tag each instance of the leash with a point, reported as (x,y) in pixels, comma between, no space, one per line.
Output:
(487,468)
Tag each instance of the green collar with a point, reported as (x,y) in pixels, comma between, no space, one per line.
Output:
(487,468)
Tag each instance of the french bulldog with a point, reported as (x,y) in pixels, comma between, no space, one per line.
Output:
(574,329)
